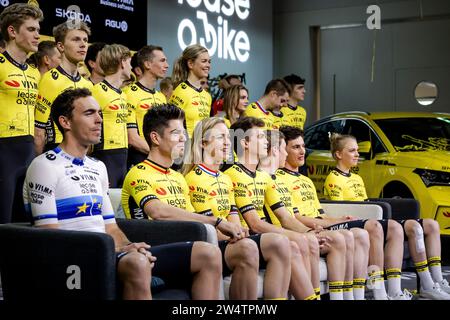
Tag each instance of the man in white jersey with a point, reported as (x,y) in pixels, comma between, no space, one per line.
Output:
(65,189)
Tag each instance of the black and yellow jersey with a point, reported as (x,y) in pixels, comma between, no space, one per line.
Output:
(252,190)
(211,192)
(255,109)
(18,93)
(196,104)
(303,191)
(139,100)
(54,82)
(344,186)
(277,119)
(294,116)
(281,186)
(148,181)
(113,103)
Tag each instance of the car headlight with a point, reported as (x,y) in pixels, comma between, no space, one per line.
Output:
(433,178)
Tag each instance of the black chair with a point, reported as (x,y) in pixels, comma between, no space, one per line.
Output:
(58,264)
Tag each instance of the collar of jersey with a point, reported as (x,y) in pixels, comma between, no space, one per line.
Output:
(74,160)
(258,104)
(279,115)
(291,172)
(247,171)
(208,171)
(21,66)
(140,85)
(193,87)
(72,78)
(156,166)
(290,106)
(345,174)
(112,87)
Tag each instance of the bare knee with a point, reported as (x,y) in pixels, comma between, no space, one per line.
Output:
(348,239)
(395,231)
(273,244)
(134,265)
(208,255)
(374,229)
(361,237)
(313,246)
(246,254)
(411,227)
(431,226)
(338,242)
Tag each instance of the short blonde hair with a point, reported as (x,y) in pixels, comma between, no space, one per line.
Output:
(61,30)
(111,56)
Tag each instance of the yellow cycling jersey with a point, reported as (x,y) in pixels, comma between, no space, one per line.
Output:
(303,191)
(148,181)
(282,187)
(211,192)
(54,82)
(139,100)
(113,103)
(294,116)
(196,104)
(18,93)
(255,109)
(344,186)
(252,190)
(277,119)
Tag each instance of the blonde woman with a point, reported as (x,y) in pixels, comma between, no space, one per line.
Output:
(189,95)
(235,101)
(423,234)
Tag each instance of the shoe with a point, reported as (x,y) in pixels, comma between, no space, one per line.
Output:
(405,295)
(435,293)
(444,286)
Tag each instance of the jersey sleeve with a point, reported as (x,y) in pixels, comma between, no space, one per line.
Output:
(177,98)
(272,197)
(107,208)
(140,187)
(131,108)
(44,101)
(189,206)
(198,197)
(39,192)
(332,189)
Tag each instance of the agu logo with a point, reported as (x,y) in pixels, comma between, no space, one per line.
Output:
(161,191)
(446,214)
(114,107)
(121,25)
(145,106)
(133,183)
(13,83)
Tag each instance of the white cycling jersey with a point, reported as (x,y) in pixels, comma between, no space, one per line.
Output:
(72,192)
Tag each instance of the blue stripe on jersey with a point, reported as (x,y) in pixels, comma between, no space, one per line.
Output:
(108,217)
(80,206)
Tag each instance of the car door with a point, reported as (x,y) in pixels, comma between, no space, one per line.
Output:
(319,161)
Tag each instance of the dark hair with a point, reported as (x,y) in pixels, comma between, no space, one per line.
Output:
(63,104)
(242,126)
(45,48)
(146,54)
(92,53)
(294,79)
(274,137)
(15,15)
(291,133)
(158,117)
(278,85)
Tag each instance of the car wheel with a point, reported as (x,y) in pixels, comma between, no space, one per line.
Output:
(396,190)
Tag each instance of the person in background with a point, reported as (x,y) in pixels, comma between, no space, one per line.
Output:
(92,63)
(293,113)
(189,95)
(166,87)
(235,101)
(47,57)
(224,83)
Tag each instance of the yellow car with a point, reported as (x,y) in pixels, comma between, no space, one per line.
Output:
(402,154)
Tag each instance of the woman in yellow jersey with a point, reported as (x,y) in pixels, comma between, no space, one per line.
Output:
(235,101)
(422,234)
(189,95)
(356,255)
(211,193)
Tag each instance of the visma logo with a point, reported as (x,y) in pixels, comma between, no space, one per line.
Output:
(116,24)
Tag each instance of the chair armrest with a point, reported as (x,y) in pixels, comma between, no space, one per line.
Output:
(402,208)
(162,232)
(360,209)
(35,264)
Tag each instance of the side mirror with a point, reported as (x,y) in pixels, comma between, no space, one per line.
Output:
(364,146)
